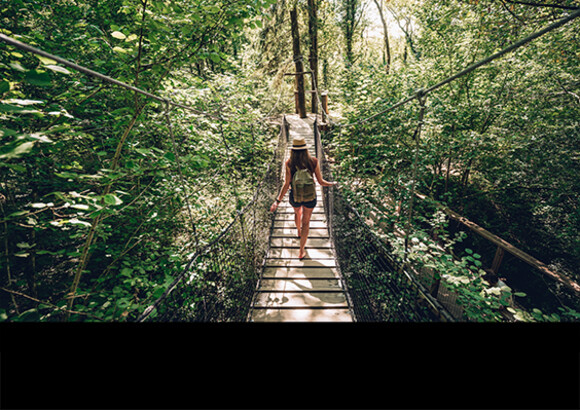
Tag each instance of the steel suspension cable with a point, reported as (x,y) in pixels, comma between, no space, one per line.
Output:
(424,91)
(26,47)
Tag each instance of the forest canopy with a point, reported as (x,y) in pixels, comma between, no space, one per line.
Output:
(105,194)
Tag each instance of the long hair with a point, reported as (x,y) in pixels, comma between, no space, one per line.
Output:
(301,159)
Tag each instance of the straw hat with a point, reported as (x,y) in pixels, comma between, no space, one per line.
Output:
(299,143)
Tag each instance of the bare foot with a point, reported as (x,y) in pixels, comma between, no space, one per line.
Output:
(301,254)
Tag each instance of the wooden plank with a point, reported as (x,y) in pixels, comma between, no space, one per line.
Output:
(290,217)
(292,253)
(301,315)
(295,285)
(300,272)
(300,299)
(295,243)
(293,233)
(298,263)
(291,224)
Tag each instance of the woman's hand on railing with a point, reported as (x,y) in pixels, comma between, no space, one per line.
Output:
(274,206)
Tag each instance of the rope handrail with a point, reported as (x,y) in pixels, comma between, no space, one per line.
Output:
(421,92)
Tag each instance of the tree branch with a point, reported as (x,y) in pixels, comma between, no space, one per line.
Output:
(13,292)
(556,6)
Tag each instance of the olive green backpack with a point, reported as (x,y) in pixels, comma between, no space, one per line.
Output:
(303,188)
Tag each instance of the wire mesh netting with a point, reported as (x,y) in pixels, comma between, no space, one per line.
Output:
(379,289)
(219,282)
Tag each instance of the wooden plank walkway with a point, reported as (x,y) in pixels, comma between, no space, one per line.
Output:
(307,290)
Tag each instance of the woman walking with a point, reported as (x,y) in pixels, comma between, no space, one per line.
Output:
(300,169)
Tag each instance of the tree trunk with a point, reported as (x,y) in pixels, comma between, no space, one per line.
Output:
(386,34)
(348,26)
(449,161)
(298,63)
(447,173)
(313,33)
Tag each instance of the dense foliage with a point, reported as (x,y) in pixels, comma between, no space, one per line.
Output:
(499,145)
(105,194)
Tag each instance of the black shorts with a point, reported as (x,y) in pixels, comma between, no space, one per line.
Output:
(309,204)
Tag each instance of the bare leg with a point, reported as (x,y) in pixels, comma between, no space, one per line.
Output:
(298,218)
(307,213)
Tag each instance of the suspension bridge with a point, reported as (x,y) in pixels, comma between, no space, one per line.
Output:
(251,270)
(291,289)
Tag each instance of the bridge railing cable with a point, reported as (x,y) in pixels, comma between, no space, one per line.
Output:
(378,285)
(218,283)
(216,116)
(422,92)
(352,247)
(244,235)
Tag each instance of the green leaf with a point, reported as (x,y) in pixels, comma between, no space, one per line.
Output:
(35,77)
(4,86)
(5,132)
(24,102)
(15,108)
(118,35)
(111,199)
(58,69)
(66,175)
(158,292)
(520,294)
(19,150)
(17,66)
(45,60)
(45,252)
(19,213)
(126,271)
(82,207)
(76,221)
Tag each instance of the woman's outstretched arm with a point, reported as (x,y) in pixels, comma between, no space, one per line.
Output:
(321,180)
